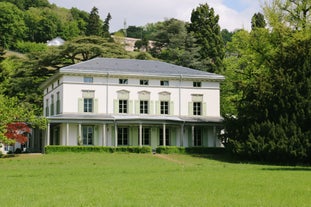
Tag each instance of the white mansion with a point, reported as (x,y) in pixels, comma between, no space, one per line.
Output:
(128,102)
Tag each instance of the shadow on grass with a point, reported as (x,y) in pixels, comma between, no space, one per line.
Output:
(219,157)
(288,169)
(228,158)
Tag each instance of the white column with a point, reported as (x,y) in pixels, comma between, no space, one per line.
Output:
(67,134)
(115,135)
(164,135)
(48,135)
(80,133)
(192,135)
(140,135)
(104,135)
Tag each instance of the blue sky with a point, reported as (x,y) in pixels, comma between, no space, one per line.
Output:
(234,14)
(236,5)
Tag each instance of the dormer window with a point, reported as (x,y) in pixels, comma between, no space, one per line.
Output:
(197,84)
(88,79)
(164,83)
(123,81)
(144,82)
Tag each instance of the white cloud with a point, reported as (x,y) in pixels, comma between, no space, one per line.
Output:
(141,12)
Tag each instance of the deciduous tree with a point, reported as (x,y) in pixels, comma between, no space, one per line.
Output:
(17,132)
(12,25)
(12,111)
(273,116)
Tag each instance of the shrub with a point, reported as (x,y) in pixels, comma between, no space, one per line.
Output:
(27,47)
(130,149)
(170,150)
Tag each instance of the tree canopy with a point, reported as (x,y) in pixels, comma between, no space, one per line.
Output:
(273,109)
(12,25)
(13,112)
(258,21)
(206,30)
(94,24)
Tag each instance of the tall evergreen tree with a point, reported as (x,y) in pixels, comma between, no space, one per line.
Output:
(94,25)
(206,30)
(174,44)
(106,26)
(258,21)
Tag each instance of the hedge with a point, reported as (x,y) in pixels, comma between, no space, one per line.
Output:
(170,150)
(131,149)
(136,149)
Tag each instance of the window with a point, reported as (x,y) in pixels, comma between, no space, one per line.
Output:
(146,136)
(123,81)
(52,105)
(197,136)
(88,79)
(47,107)
(144,82)
(123,136)
(164,83)
(88,105)
(197,108)
(57,103)
(164,107)
(88,132)
(197,84)
(123,106)
(144,107)
(167,137)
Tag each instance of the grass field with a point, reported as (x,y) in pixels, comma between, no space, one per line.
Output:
(103,179)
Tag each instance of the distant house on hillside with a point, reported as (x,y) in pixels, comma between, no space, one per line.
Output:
(58,41)
(127,102)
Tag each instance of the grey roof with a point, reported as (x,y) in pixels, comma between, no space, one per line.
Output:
(115,66)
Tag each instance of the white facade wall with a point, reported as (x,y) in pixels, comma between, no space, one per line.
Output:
(70,89)
(106,89)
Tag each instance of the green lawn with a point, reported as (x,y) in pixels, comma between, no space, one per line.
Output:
(103,179)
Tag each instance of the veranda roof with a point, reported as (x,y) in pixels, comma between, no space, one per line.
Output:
(131,119)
